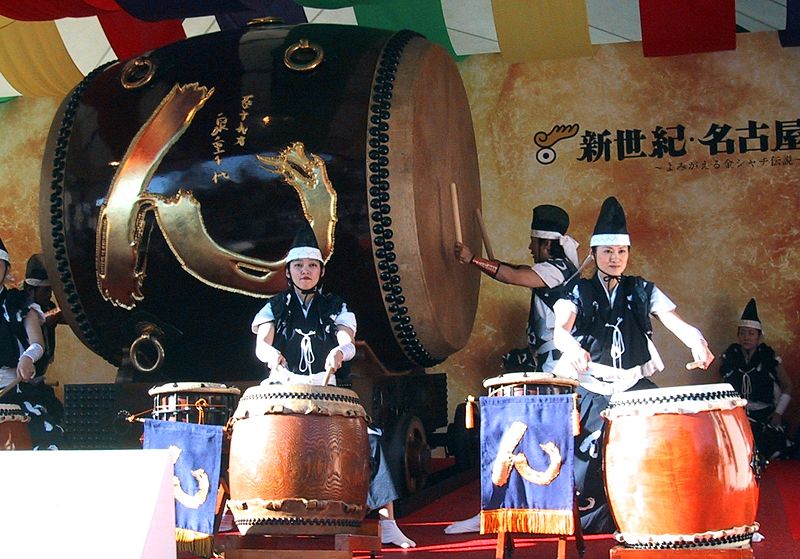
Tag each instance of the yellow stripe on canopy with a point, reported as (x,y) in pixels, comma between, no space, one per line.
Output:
(34,60)
(542,29)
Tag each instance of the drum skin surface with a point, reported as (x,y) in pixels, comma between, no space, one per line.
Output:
(680,474)
(293,472)
(173,185)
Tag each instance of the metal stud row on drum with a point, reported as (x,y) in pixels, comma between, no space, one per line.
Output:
(379,198)
(696,397)
(57,214)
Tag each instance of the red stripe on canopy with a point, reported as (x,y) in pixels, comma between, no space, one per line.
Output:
(687,26)
(129,36)
(46,10)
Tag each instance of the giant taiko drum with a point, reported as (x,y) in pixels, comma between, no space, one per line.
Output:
(174,183)
(299,460)
(679,468)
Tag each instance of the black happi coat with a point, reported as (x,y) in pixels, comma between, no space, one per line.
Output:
(760,372)
(594,324)
(292,325)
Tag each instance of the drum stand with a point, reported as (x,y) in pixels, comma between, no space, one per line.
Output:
(505,540)
(338,546)
(622,552)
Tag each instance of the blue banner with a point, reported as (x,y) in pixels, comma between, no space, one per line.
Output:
(197,453)
(527,479)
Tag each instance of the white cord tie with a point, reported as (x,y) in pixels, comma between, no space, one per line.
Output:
(306,351)
(617,344)
(747,384)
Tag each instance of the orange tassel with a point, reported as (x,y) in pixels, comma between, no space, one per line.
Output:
(469,416)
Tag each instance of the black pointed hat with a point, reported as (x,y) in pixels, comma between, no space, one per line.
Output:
(304,245)
(750,316)
(549,222)
(611,228)
(35,272)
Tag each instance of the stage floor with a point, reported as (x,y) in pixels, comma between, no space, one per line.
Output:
(779,517)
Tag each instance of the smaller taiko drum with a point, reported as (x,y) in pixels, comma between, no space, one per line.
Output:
(299,461)
(206,403)
(679,468)
(529,384)
(14,432)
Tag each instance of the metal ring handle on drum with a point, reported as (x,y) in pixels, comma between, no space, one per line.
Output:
(146,337)
(137,72)
(289,56)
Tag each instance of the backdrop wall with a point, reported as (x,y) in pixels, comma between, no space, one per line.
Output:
(701,150)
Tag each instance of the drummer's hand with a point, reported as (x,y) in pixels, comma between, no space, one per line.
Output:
(463,253)
(334,359)
(579,359)
(702,356)
(25,368)
(776,419)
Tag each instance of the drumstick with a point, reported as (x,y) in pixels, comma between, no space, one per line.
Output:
(10,387)
(456,213)
(484,234)
(329,372)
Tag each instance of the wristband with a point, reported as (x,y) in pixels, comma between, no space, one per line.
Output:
(489,267)
(348,351)
(783,403)
(35,351)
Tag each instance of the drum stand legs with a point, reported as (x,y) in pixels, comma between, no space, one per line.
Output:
(505,540)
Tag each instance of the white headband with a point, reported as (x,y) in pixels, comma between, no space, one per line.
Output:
(610,240)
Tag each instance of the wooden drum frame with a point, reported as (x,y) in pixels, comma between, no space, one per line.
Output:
(679,468)
(206,403)
(529,384)
(299,461)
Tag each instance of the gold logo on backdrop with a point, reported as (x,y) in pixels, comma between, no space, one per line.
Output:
(506,460)
(121,256)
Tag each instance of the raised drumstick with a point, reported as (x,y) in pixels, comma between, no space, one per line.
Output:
(456,213)
(484,234)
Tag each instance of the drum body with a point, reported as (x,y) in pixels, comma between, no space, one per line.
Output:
(173,185)
(194,402)
(678,467)
(14,432)
(529,384)
(299,461)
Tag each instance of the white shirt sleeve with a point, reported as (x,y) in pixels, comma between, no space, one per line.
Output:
(346,318)
(262,317)
(550,275)
(659,302)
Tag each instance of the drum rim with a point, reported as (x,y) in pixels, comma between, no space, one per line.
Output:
(527,377)
(712,391)
(194,387)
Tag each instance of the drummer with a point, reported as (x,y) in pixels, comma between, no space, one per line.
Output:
(603,328)
(758,374)
(22,347)
(555,256)
(297,327)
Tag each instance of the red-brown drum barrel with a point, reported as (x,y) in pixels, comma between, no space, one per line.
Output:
(174,183)
(14,432)
(299,461)
(679,467)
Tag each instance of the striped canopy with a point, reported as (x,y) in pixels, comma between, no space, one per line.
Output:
(48,46)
